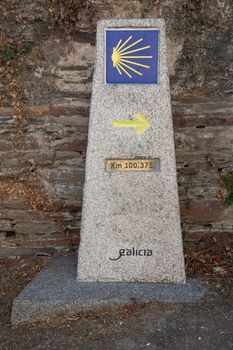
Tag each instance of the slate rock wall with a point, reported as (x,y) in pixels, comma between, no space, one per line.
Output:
(47,52)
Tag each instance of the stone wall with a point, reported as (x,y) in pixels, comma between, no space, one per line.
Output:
(47,52)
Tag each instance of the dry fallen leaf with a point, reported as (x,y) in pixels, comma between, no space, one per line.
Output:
(212,161)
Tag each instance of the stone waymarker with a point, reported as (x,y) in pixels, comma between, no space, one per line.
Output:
(130,221)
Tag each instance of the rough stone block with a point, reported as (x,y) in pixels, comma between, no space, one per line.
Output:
(131,221)
(55,292)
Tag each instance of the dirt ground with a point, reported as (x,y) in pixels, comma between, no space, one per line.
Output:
(205,325)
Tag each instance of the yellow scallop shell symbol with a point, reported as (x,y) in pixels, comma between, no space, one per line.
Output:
(123,61)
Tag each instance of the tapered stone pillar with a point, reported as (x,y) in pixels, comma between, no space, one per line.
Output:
(130,220)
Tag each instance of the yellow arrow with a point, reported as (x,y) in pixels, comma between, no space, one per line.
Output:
(140,124)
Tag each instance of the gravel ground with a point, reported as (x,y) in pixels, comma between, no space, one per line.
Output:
(204,325)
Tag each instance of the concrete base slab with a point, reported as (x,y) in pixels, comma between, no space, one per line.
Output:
(55,292)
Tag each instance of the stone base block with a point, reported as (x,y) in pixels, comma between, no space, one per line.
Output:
(55,292)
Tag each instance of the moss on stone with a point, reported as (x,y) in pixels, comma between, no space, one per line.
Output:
(228,181)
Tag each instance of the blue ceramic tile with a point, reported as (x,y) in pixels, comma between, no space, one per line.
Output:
(132,56)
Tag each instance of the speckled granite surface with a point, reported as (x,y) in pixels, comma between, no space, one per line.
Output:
(55,292)
(130,211)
